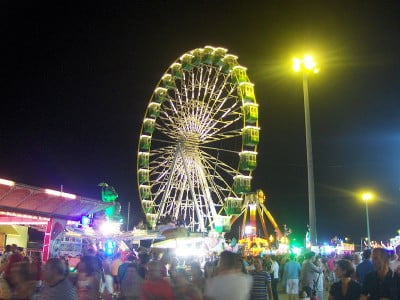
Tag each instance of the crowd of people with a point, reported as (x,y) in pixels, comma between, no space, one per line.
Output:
(147,276)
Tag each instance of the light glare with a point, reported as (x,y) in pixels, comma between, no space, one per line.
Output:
(309,62)
(367,196)
(7,182)
(109,228)
(296,64)
(60,194)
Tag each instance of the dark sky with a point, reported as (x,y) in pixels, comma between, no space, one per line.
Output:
(77,77)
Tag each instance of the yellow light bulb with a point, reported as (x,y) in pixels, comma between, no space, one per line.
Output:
(309,62)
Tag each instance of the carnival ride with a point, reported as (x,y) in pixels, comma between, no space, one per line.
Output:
(255,209)
(201,120)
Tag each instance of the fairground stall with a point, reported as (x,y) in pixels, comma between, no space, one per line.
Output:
(48,210)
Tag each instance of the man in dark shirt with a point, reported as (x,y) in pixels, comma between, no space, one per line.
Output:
(56,284)
(381,283)
(365,267)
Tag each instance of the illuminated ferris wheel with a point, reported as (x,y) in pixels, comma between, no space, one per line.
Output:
(198,142)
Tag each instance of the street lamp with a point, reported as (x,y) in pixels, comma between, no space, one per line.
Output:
(307,66)
(366,198)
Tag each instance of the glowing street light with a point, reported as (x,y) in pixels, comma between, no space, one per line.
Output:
(307,65)
(366,197)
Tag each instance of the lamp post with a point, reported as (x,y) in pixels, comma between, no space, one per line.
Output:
(307,66)
(366,198)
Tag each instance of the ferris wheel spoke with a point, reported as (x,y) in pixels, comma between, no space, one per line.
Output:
(209,71)
(223,88)
(166,120)
(185,88)
(200,80)
(215,99)
(213,85)
(218,149)
(180,197)
(214,111)
(213,184)
(219,134)
(222,101)
(218,125)
(170,142)
(220,164)
(222,136)
(204,188)
(218,189)
(203,109)
(169,181)
(193,84)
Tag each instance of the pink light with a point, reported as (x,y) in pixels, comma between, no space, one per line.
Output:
(60,194)
(11,214)
(23,223)
(7,182)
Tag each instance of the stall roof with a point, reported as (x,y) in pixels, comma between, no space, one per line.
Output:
(29,200)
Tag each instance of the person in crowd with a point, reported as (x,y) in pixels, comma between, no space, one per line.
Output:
(209,270)
(21,251)
(382,282)
(130,283)
(122,268)
(7,251)
(330,264)
(197,278)
(14,258)
(319,284)
(165,260)
(36,265)
(240,266)
(357,259)
(345,288)
(56,285)
(115,264)
(183,288)
(309,274)
(174,266)
(291,275)
(155,286)
(144,258)
(365,267)
(88,279)
(248,263)
(209,273)
(274,271)
(23,281)
(107,281)
(395,264)
(261,288)
(236,285)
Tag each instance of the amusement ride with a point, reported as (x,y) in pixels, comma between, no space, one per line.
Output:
(198,144)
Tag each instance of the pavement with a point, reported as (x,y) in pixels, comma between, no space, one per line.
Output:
(283,296)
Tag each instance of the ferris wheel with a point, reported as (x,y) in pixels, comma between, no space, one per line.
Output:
(198,141)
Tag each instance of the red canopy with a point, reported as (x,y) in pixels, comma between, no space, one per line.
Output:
(23,199)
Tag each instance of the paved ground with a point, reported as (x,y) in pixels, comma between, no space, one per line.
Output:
(284,296)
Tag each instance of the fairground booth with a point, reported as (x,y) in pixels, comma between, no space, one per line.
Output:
(51,211)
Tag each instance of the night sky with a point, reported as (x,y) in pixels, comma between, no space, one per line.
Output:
(77,77)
